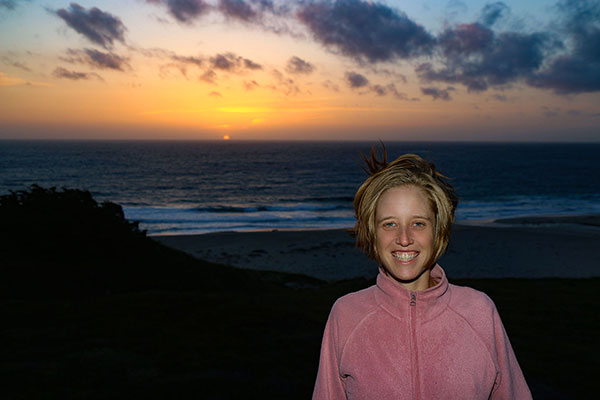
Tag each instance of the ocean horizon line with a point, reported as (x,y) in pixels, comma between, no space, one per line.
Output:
(376,142)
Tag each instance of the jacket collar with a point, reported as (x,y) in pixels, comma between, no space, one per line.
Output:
(428,303)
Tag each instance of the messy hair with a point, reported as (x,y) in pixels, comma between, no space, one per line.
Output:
(408,169)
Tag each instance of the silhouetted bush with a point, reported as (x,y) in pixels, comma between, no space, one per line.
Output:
(63,243)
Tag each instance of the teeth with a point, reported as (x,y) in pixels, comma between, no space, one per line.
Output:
(404,256)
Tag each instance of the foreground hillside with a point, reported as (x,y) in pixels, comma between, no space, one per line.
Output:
(93,309)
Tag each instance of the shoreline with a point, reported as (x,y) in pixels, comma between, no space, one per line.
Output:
(526,247)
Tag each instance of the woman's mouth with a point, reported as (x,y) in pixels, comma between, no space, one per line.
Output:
(405,255)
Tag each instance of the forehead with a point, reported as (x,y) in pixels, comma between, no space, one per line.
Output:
(404,200)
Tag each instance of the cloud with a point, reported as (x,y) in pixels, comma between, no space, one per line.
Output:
(364,30)
(249,85)
(185,11)
(16,64)
(238,9)
(223,61)
(249,64)
(97,59)
(97,26)
(565,60)
(11,4)
(232,63)
(474,55)
(284,84)
(208,76)
(8,4)
(296,65)
(215,94)
(442,94)
(390,89)
(190,60)
(356,80)
(578,69)
(492,12)
(60,72)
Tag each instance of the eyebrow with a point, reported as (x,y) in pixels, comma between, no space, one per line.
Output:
(413,217)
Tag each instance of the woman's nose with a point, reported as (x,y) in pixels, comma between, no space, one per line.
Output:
(404,237)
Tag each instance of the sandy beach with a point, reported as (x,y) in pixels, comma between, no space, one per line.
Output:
(528,247)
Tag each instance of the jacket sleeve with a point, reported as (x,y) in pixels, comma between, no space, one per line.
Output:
(329,384)
(510,383)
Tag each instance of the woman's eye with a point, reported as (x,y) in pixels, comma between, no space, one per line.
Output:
(419,224)
(389,225)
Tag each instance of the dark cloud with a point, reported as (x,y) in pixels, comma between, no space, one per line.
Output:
(255,11)
(197,61)
(184,10)
(224,62)
(232,63)
(60,72)
(566,59)
(472,54)
(181,63)
(390,89)
(208,76)
(364,30)
(11,4)
(356,80)
(98,59)
(237,9)
(296,65)
(249,64)
(493,12)
(97,26)
(379,90)
(442,94)
(578,69)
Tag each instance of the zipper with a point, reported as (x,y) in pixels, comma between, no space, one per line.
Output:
(415,360)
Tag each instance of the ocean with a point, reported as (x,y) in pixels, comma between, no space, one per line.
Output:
(175,187)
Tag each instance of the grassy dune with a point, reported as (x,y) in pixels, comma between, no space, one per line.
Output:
(261,343)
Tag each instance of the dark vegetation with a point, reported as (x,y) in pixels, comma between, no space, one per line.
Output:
(92,308)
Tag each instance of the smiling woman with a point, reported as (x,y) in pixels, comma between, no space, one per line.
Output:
(405,236)
(413,334)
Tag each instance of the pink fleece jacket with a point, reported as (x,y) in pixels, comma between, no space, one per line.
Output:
(446,342)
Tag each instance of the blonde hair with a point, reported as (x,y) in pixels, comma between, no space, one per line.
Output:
(408,169)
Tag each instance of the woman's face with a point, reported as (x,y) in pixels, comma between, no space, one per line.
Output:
(404,234)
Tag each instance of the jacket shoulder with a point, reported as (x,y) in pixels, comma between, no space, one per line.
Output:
(349,310)
(476,309)
(466,300)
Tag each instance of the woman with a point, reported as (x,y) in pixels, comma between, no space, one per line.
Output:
(413,335)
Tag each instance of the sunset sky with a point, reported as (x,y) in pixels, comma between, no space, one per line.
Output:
(300,69)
